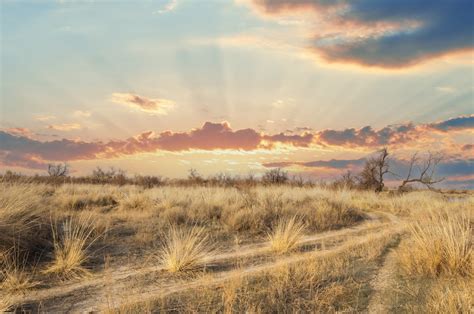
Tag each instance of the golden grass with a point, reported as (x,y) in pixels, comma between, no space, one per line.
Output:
(22,218)
(15,276)
(318,284)
(286,234)
(135,202)
(184,249)
(450,298)
(72,240)
(5,303)
(435,260)
(440,244)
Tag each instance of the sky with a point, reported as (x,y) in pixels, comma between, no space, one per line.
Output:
(236,86)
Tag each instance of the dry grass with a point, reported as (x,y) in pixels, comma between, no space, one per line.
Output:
(72,241)
(15,275)
(286,234)
(434,260)
(135,202)
(440,244)
(184,249)
(23,222)
(319,284)
(5,303)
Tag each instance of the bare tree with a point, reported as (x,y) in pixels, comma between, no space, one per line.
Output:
(426,171)
(58,170)
(375,168)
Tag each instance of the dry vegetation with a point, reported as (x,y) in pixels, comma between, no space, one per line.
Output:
(273,248)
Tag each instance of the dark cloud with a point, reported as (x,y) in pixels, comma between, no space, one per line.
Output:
(369,137)
(330,164)
(392,33)
(459,123)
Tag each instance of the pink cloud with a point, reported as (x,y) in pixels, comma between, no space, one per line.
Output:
(152,106)
(15,144)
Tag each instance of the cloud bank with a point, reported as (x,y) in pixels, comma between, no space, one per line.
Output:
(18,147)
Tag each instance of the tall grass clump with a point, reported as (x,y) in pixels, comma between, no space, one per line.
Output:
(72,240)
(22,219)
(184,249)
(440,244)
(286,234)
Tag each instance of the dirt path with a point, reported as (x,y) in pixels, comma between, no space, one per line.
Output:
(380,302)
(154,292)
(130,284)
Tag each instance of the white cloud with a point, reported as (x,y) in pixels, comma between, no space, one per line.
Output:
(170,6)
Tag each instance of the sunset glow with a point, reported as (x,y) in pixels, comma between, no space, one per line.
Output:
(239,87)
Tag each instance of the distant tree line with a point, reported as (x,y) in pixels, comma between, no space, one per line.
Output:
(372,176)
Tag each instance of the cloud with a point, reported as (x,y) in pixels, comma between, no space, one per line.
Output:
(384,33)
(454,124)
(64,126)
(20,131)
(368,137)
(210,136)
(336,164)
(220,136)
(44,117)
(82,114)
(297,140)
(446,89)
(170,6)
(152,106)
(22,161)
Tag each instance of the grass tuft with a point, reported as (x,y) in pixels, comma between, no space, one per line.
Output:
(71,243)
(286,234)
(184,249)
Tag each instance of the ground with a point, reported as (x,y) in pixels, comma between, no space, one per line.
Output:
(85,248)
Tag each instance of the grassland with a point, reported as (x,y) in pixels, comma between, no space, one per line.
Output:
(258,249)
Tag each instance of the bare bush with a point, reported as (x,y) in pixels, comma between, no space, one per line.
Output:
(275,176)
(58,170)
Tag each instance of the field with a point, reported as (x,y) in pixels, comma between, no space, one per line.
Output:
(260,249)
